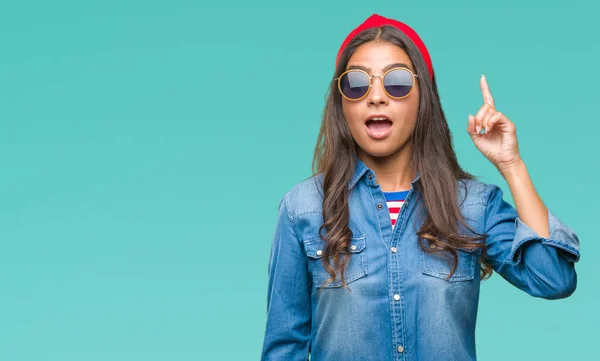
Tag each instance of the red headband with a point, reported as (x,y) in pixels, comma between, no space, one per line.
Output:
(375,21)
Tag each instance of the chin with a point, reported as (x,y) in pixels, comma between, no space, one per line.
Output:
(378,151)
(382,149)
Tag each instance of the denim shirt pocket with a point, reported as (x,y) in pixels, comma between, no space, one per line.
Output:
(357,267)
(437,266)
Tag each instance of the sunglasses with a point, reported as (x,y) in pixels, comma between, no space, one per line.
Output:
(355,84)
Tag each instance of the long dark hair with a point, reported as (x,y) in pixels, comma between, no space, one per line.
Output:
(433,157)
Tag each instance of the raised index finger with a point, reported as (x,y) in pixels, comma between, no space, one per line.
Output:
(485,91)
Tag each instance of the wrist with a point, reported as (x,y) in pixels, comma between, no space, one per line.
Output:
(512,169)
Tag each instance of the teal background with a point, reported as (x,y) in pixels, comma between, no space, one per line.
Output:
(145,145)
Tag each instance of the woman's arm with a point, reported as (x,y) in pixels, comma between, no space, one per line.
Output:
(529,205)
(287,334)
(540,264)
(531,248)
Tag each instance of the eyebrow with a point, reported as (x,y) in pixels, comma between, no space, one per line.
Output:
(385,68)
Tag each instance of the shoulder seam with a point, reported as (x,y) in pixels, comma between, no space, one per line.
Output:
(480,200)
(289,216)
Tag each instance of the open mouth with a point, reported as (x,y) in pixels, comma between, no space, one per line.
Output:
(378,127)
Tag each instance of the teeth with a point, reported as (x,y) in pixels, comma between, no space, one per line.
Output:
(378,118)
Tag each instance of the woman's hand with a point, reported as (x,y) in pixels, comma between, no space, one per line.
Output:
(499,142)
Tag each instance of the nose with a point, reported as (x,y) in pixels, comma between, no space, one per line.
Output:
(377,95)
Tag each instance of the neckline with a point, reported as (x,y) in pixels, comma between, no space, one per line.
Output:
(397,192)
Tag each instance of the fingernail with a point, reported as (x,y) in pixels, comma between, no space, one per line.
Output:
(483,76)
(478,129)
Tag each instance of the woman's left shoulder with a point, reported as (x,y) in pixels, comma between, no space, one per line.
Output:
(474,191)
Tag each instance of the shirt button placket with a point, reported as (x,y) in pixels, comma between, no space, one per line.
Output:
(397,325)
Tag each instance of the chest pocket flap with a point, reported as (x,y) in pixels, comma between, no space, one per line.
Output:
(357,268)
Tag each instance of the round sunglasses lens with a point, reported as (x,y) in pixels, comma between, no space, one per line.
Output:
(398,83)
(354,84)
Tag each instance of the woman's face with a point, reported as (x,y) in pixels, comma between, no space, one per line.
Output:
(384,138)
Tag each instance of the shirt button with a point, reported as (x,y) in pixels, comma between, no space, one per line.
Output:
(353,247)
(432,246)
(319,252)
(394,249)
(400,349)
(379,206)
(397,297)
(370,177)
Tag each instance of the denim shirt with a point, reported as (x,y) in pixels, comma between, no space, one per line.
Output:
(401,306)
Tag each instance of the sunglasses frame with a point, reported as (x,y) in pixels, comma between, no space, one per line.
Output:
(371,83)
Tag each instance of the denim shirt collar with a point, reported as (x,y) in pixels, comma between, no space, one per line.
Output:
(361,169)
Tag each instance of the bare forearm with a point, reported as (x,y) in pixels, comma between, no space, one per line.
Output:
(529,205)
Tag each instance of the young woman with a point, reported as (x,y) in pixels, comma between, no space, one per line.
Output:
(379,254)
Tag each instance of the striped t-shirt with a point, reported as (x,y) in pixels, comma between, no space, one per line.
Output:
(394,201)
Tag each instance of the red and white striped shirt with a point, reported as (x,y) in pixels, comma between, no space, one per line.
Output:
(394,201)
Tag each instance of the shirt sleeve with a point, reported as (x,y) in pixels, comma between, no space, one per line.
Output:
(542,267)
(287,335)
